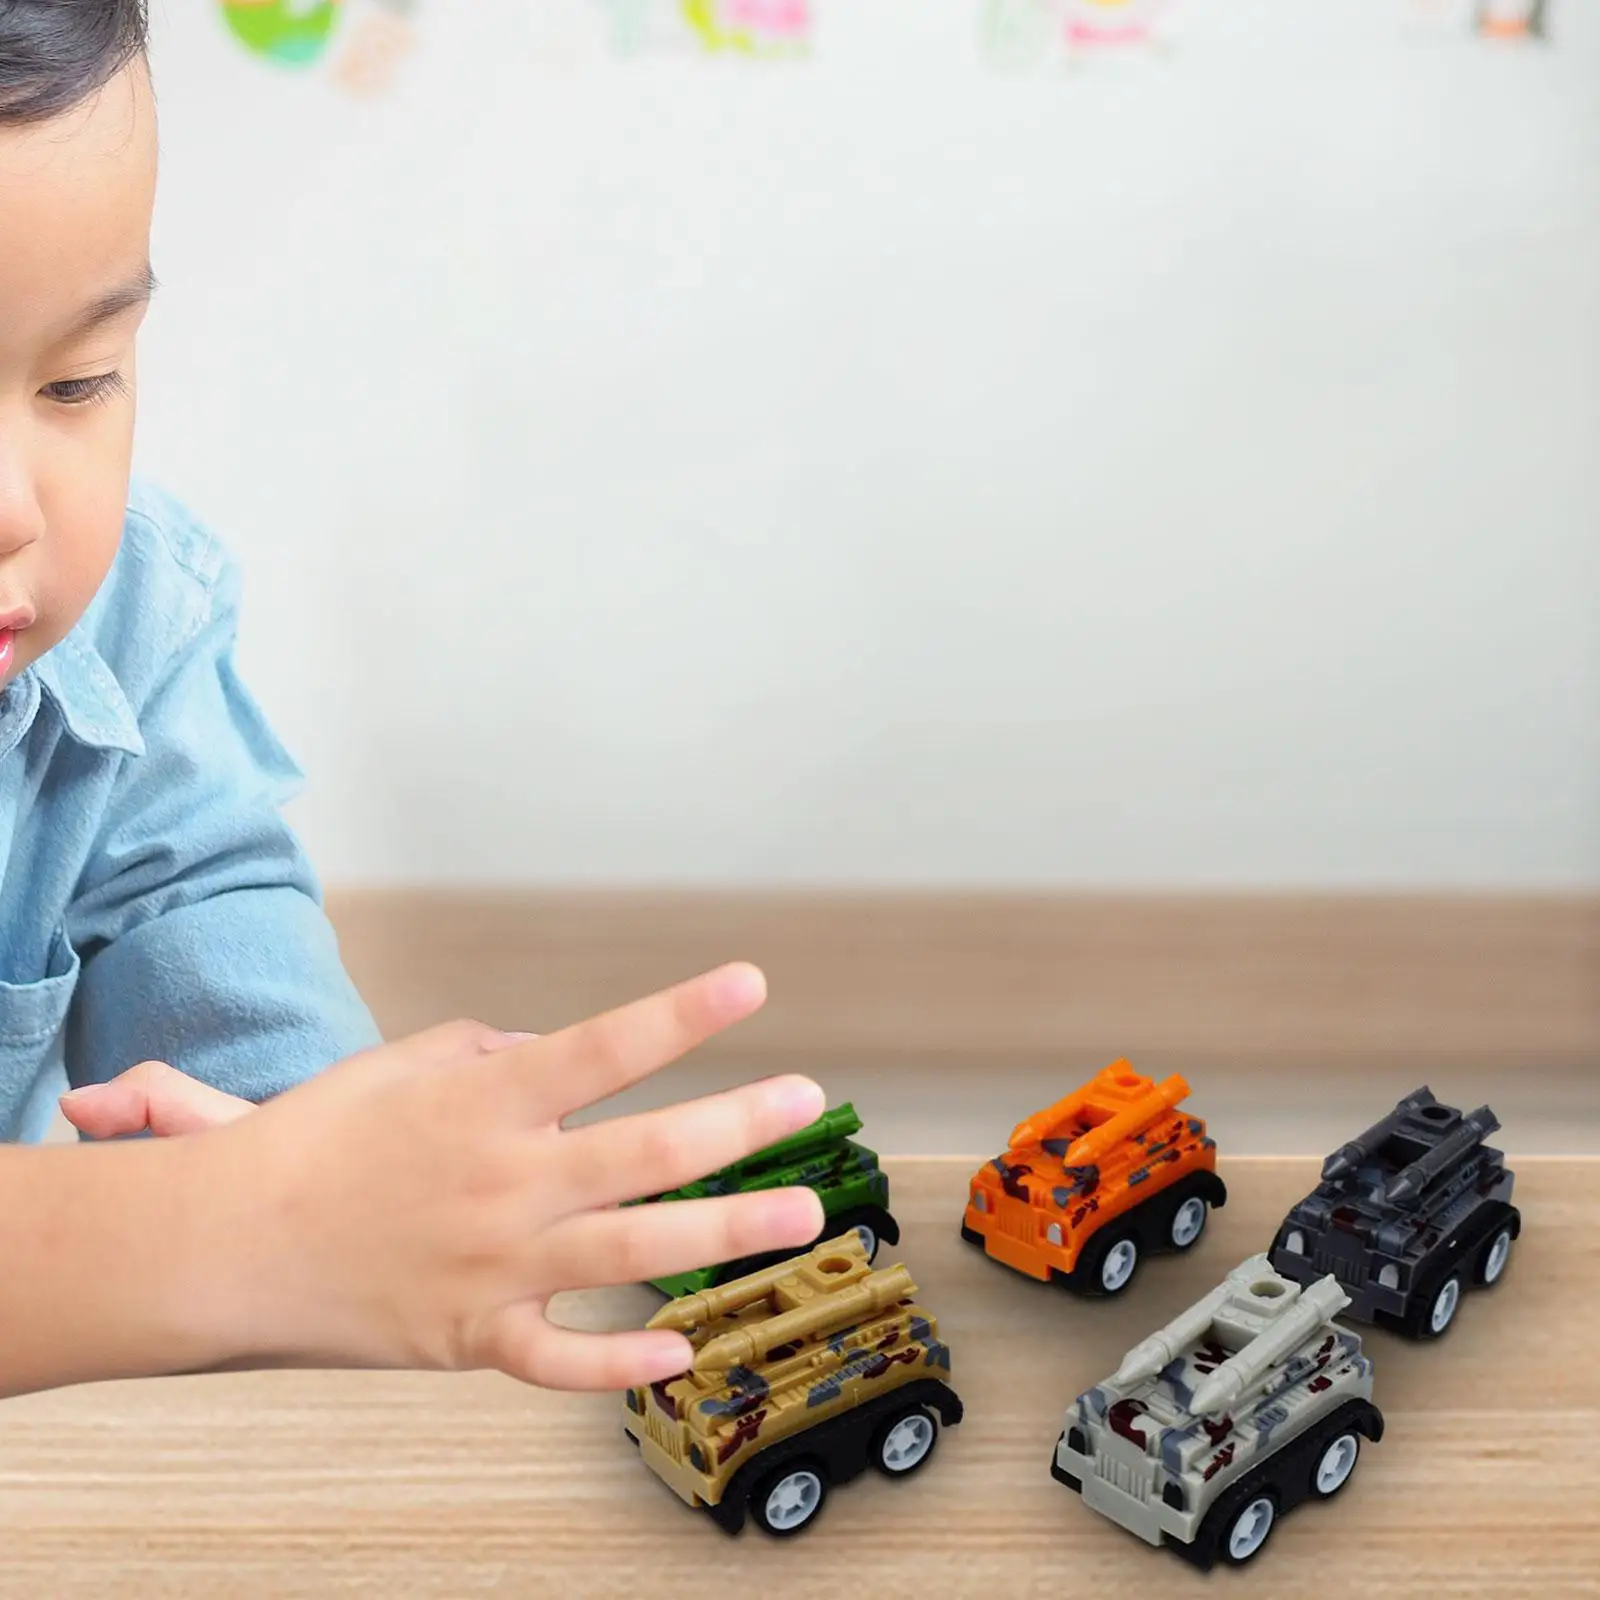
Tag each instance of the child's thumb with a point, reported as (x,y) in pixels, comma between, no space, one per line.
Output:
(151,1097)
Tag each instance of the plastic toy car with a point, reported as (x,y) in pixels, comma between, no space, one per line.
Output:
(1086,1188)
(853,1188)
(804,1375)
(1407,1216)
(1243,1406)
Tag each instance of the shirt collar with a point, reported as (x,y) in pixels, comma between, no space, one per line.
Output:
(88,697)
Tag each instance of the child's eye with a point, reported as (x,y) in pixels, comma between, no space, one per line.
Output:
(85,391)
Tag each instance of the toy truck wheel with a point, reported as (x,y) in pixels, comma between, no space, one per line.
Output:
(875,1226)
(1492,1258)
(789,1498)
(1109,1263)
(905,1442)
(1187,1223)
(1335,1463)
(1249,1528)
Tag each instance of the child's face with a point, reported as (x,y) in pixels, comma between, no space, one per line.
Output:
(76,197)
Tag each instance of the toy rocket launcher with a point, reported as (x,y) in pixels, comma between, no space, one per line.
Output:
(1088,1187)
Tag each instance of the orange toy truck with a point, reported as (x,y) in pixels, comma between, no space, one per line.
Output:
(1102,1178)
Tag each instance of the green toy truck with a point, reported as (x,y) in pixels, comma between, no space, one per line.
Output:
(853,1189)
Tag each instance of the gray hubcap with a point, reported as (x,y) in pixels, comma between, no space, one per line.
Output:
(1499,1254)
(1337,1463)
(1119,1264)
(793,1500)
(907,1442)
(1188,1220)
(1444,1306)
(1250,1529)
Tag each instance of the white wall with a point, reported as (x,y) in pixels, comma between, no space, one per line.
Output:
(884,468)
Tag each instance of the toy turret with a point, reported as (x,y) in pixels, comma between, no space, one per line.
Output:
(1470,1132)
(1279,1333)
(1362,1149)
(826,1313)
(1151,1355)
(1132,1100)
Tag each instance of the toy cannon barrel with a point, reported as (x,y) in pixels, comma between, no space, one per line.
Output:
(1316,1304)
(696,1310)
(828,1312)
(1042,1124)
(832,1126)
(1470,1132)
(1097,1143)
(1151,1355)
(1350,1156)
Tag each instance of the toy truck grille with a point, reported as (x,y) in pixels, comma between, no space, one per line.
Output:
(1352,1272)
(1018,1219)
(664,1436)
(1135,1478)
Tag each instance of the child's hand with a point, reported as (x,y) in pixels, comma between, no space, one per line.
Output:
(419,1204)
(151,1097)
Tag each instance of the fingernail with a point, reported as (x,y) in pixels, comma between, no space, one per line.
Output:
(506,1040)
(73,1094)
(802,1097)
(741,985)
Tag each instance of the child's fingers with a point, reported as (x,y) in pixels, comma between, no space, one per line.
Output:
(600,1248)
(627,1158)
(595,1059)
(151,1096)
(526,1345)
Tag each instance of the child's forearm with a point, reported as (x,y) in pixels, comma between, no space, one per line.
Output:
(120,1260)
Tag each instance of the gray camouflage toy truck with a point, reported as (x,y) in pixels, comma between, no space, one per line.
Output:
(1243,1406)
(1407,1217)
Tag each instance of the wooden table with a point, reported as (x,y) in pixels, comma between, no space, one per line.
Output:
(288,1484)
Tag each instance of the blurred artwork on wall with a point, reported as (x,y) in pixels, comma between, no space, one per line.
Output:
(1023,34)
(358,43)
(1513,19)
(766,29)
(1510,21)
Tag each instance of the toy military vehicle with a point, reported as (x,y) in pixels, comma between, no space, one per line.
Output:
(1109,1174)
(1406,1217)
(853,1189)
(804,1375)
(1244,1405)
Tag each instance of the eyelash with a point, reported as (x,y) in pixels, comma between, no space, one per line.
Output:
(98,390)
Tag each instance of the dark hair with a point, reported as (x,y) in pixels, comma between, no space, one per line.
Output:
(54,54)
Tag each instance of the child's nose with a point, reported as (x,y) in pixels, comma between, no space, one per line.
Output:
(21,515)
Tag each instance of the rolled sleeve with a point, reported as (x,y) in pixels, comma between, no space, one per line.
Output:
(199,920)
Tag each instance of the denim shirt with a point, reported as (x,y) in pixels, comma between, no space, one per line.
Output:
(153,903)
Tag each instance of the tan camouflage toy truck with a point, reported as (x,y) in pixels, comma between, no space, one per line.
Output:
(805,1374)
(1244,1405)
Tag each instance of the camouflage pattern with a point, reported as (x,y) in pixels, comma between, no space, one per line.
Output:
(1395,1206)
(778,1352)
(821,1156)
(1219,1390)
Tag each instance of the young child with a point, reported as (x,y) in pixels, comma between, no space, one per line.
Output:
(331,1200)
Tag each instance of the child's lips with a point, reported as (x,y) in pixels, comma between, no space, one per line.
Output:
(11,624)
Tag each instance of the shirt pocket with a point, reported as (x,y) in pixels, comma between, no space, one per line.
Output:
(32,1014)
